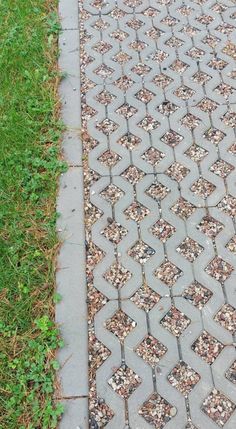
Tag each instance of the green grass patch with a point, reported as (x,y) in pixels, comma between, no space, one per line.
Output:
(29,165)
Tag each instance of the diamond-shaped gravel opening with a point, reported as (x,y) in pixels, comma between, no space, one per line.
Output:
(120,324)
(135,23)
(210,226)
(133,3)
(226,317)
(90,177)
(88,142)
(99,413)
(231,373)
(222,168)
(228,205)
(196,153)
(129,141)
(148,123)
(230,49)
(144,95)
(225,28)
(99,4)
(162,80)
(214,135)
(157,411)
(117,13)
(232,149)
(141,252)
(171,138)
(218,407)
(141,69)
(219,269)
(136,212)
(86,84)
(190,249)
(121,58)
(105,97)
(163,230)
(184,92)
(195,53)
(217,64)
(107,126)
(203,188)
(94,254)
(151,12)
(207,105)
(183,378)
(133,174)
(167,108)
(168,273)
(102,47)
(124,381)
(159,56)
(100,24)
(117,275)
(197,294)
(174,42)
(183,208)
(126,110)
(207,347)
(151,350)
(205,19)
(175,321)
(119,35)
(170,21)
(201,77)
(124,83)
(109,158)
(224,90)
(138,45)
(88,111)
(114,232)
(177,171)
(96,300)
(178,66)
(157,191)
(104,71)
(211,40)
(145,298)
(98,353)
(231,245)
(190,121)
(154,33)
(153,156)
(112,193)
(92,214)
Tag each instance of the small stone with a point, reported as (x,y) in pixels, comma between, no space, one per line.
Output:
(173,411)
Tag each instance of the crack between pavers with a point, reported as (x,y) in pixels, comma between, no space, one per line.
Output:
(68,398)
(69,29)
(82,244)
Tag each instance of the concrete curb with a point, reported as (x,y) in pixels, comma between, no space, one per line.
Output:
(71,312)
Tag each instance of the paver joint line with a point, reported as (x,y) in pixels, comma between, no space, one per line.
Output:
(150,301)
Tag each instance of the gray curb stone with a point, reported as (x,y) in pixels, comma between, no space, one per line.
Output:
(71,312)
(75,416)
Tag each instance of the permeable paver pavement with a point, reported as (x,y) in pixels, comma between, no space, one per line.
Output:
(158,115)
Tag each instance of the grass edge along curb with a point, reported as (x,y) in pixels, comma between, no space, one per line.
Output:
(30,159)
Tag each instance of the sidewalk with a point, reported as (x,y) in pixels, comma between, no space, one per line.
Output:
(148,206)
